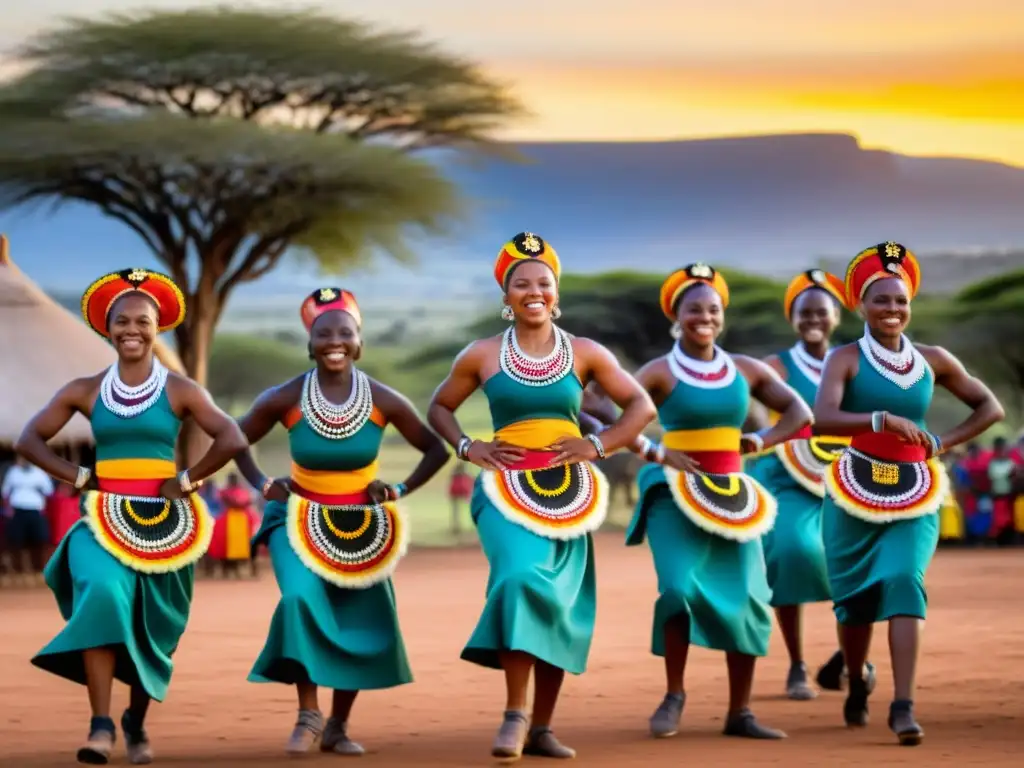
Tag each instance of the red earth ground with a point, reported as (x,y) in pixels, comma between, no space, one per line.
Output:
(970,697)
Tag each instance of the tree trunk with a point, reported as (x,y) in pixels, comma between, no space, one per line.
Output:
(195,338)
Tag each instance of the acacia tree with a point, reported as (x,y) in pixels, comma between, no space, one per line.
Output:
(223,137)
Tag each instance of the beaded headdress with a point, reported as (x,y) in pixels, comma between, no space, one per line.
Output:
(521,248)
(812,278)
(99,298)
(326,300)
(879,262)
(690,275)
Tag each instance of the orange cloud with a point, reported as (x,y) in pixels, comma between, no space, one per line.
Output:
(967,102)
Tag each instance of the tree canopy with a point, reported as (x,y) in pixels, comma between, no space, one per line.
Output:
(223,137)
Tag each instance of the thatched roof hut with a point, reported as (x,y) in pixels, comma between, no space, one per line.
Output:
(42,347)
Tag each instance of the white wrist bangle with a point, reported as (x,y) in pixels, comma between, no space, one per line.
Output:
(84,474)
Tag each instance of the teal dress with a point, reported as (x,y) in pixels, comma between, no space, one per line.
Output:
(794,551)
(718,583)
(320,633)
(541,594)
(876,570)
(142,616)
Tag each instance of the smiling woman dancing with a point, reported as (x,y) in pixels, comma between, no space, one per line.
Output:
(794,474)
(333,531)
(879,517)
(123,575)
(538,498)
(703,517)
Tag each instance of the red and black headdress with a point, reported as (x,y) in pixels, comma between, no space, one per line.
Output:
(100,297)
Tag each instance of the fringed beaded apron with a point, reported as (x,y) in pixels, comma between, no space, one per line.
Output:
(127,515)
(719,498)
(807,459)
(557,502)
(333,527)
(881,480)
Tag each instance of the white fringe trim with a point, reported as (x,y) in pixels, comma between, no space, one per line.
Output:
(815,489)
(383,571)
(755,531)
(204,523)
(882,517)
(589,524)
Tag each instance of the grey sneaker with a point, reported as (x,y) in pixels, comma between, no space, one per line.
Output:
(336,740)
(665,720)
(306,733)
(797,686)
(511,736)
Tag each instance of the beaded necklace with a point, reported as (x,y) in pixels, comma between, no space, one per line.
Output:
(336,422)
(716,373)
(903,368)
(810,366)
(536,371)
(125,401)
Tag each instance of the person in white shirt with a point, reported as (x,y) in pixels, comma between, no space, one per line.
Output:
(25,491)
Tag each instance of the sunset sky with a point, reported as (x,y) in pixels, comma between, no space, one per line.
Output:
(923,77)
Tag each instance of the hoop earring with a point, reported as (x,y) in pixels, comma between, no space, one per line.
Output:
(556,313)
(676,331)
(507,314)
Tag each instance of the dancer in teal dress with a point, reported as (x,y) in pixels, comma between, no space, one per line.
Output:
(703,517)
(333,530)
(539,497)
(880,515)
(793,472)
(123,574)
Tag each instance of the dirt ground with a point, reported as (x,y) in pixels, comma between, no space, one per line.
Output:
(970,700)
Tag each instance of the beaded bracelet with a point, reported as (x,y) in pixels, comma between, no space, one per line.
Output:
(596,442)
(757,440)
(400,490)
(878,421)
(462,447)
(185,483)
(268,483)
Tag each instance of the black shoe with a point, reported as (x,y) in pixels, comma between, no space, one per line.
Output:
(855,708)
(903,724)
(830,675)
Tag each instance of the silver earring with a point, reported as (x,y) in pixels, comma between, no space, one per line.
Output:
(676,331)
(556,313)
(507,314)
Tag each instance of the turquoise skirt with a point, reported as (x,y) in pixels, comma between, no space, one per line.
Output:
(140,616)
(794,551)
(541,593)
(876,571)
(344,639)
(719,584)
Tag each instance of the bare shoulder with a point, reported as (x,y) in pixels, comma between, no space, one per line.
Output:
(589,349)
(937,357)
(775,363)
(845,353)
(386,398)
(81,392)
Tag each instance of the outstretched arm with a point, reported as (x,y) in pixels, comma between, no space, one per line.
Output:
(32,443)
(972,392)
(400,412)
